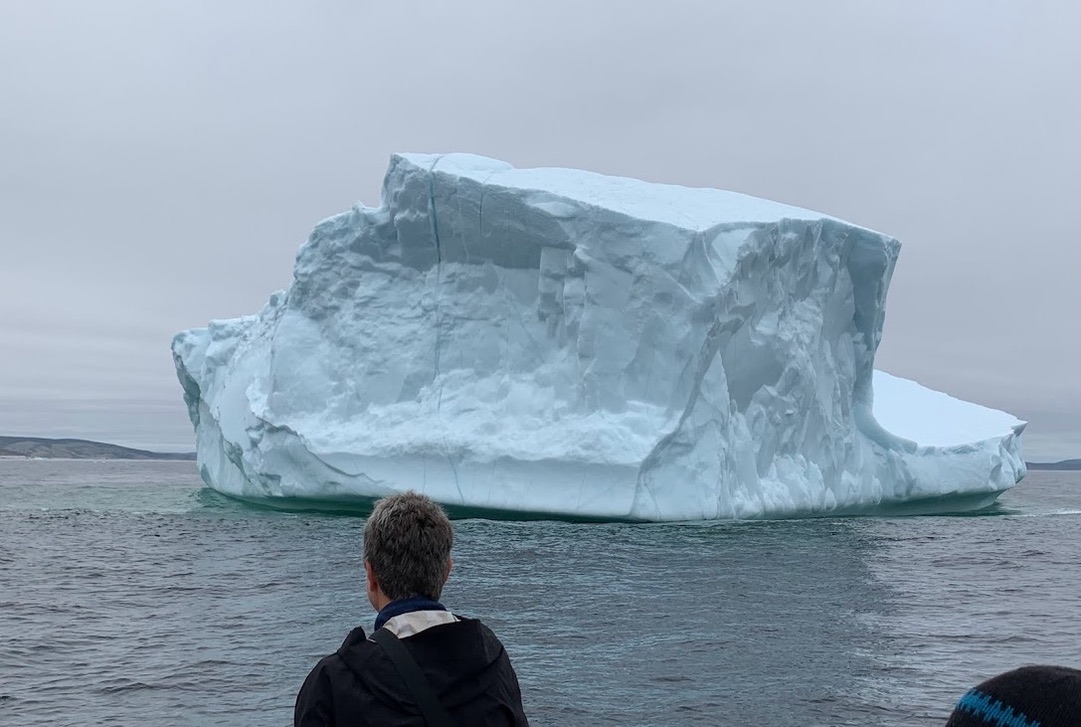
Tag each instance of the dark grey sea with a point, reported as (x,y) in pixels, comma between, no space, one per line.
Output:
(131,595)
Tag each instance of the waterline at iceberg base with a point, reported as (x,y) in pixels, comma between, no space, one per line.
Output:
(551,342)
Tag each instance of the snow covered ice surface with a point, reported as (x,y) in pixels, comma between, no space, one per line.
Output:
(551,341)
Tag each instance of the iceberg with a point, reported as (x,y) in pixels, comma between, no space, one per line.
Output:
(553,342)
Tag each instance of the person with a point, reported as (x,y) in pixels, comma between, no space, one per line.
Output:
(454,671)
(1032,696)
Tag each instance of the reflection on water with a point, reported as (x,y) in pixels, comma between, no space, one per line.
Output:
(752,623)
(136,593)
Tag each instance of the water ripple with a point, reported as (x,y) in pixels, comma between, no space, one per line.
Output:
(128,598)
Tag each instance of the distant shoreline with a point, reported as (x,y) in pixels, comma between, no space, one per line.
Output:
(1066,464)
(45,448)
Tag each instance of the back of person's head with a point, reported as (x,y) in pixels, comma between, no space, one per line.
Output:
(1032,696)
(407,542)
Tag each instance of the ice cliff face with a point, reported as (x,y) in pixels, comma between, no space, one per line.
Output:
(556,341)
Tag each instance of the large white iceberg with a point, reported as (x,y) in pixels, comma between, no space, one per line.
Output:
(550,341)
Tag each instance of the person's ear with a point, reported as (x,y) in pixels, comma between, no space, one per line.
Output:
(450,567)
(369,572)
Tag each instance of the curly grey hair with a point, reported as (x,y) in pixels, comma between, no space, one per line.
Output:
(407,541)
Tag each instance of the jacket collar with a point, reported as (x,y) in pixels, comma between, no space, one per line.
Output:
(406,605)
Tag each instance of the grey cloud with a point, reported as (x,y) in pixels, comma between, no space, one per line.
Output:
(161,162)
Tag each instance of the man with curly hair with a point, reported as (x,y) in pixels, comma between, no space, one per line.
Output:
(422,664)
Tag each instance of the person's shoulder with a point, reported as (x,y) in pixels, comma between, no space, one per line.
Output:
(355,647)
(355,639)
(474,622)
(500,669)
(476,631)
(477,624)
(318,700)
(355,651)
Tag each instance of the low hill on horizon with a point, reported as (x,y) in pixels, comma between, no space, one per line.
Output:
(46,448)
(1066,464)
(42,447)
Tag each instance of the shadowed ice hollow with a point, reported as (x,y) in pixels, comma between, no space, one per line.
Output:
(551,341)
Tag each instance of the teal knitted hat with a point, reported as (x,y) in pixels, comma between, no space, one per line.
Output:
(1032,696)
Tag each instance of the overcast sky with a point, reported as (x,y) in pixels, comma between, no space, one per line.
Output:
(160,163)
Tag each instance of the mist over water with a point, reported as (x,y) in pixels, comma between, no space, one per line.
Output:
(132,595)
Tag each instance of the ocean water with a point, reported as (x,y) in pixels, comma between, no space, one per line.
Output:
(130,595)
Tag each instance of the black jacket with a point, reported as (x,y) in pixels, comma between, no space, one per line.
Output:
(465,663)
